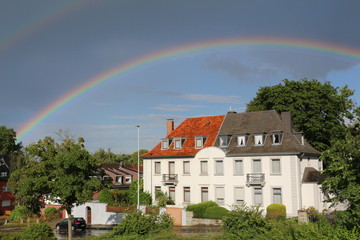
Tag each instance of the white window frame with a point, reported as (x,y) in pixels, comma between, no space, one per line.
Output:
(239,199)
(224,141)
(204,170)
(259,140)
(5,203)
(186,170)
(172,193)
(219,167)
(128,179)
(201,140)
(253,165)
(165,144)
(241,172)
(204,190)
(117,178)
(220,195)
(244,137)
(187,191)
(273,195)
(258,191)
(277,138)
(272,166)
(157,170)
(3,174)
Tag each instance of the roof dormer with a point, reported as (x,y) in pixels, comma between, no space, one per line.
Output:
(178,142)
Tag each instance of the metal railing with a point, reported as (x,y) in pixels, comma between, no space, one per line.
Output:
(255,178)
(170,177)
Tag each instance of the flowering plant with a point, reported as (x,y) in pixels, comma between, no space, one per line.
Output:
(312,211)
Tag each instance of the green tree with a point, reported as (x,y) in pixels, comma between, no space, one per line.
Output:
(103,156)
(145,197)
(10,148)
(318,109)
(134,157)
(63,172)
(342,179)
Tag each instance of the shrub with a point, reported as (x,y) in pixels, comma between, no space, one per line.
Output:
(276,211)
(50,213)
(199,209)
(40,231)
(19,213)
(105,196)
(245,222)
(215,212)
(139,224)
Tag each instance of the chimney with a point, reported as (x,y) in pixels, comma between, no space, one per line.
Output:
(286,118)
(169,126)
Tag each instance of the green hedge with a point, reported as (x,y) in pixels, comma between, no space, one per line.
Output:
(199,209)
(215,212)
(276,211)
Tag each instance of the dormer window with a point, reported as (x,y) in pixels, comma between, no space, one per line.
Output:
(224,141)
(259,139)
(200,141)
(118,178)
(242,140)
(277,138)
(178,142)
(165,143)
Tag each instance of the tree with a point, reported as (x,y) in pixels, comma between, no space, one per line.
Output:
(342,179)
(134,157)
(10,148)
(319,110)
(63,172)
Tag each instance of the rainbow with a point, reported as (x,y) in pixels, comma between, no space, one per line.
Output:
(285,43)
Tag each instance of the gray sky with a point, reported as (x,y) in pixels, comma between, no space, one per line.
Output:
(48,48)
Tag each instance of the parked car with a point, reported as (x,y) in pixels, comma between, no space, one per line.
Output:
(78,223)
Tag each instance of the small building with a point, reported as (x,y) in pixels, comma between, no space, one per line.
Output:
(7,199)
(254,157)
(121,175)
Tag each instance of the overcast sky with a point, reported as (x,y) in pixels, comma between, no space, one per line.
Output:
(49,47)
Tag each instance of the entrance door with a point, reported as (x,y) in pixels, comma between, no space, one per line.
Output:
(88,215)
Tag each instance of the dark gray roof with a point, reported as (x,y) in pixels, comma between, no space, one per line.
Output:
(266,122)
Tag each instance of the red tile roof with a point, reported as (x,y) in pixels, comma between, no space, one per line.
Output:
(189,129)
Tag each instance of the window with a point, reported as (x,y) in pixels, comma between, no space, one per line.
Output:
(219,167)
(259,139)
(241,140)
(6,203)
(157,167)
(105,177)
(172,193)
(186,167)
(128,178)
(203,167)
(157,189)
(275,166)
(187,194)
(118,178)
(204,194)
(6,188)
(238,167)
(239,195)
(277,138)
(200,141)
(256,167)
(3,174)
(165,143)
(277,196)
(220,195)
(257,196)
(178,143)
(224,141)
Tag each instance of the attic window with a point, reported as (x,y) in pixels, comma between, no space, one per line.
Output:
(200,141)
(178,142)
(224,141)
(259,139)
(242,140)
(165,143)
(277,138)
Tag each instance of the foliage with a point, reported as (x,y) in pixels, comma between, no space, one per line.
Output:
(276,211)
(64,172)
(342,179)
(19,213)
(50,212)
(215,212)
(199,209)
(134,157)
(139,224)
(103,156)
(245,222)
(106,196)
(163,199)
(318,109)
(145,197)
(8,141)
(40,231)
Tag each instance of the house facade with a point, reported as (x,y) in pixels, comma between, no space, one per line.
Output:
(120,175)
(254,158)
(7,199)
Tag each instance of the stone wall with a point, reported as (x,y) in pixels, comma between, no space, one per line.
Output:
(191,221)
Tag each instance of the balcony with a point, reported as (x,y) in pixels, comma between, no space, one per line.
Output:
(255,179)
(170,179)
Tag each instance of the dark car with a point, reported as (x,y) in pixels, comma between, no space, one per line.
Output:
(78,223)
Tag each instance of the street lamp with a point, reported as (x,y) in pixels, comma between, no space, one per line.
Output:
(138,170)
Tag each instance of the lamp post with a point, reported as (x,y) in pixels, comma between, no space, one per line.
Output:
(138,170)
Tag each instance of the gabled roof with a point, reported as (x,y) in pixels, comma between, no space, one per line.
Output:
(189,129)
(266,123)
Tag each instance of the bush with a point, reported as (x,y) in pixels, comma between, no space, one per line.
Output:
(40,231)
(199,209)
(245,222)
(276,211)
(139,224)
(19,213)
(50,213)
(106,196)
(215,212)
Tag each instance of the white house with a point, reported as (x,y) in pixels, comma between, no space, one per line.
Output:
(254,158)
